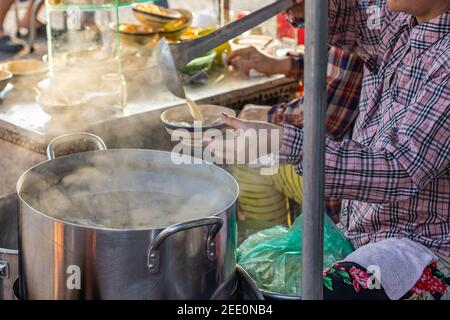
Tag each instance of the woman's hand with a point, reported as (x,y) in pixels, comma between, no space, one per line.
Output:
(246,59)
(254,112)
(251,141)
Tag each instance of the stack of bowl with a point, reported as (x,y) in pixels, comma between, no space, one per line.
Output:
(24,74)
(152,23)
(169,23)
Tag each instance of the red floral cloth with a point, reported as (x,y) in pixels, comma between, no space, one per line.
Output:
(348,280)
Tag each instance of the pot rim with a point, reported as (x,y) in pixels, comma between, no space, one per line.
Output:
(265,293)
(279,296)
(97,228)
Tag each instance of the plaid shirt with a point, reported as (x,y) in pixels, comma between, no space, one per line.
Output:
(395,172)
(345,73)
(344,89)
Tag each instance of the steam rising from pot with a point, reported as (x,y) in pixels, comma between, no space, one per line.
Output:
(108,190)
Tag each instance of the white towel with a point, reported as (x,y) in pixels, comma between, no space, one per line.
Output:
(400,262)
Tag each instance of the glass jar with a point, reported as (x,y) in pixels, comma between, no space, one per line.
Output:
(84,49)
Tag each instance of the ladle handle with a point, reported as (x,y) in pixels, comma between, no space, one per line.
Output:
(71,138)
(235,28)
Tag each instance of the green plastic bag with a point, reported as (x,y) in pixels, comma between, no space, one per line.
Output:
(273,256)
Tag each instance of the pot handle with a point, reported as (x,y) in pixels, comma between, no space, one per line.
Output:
(153,253)
(4,269)
(74,137)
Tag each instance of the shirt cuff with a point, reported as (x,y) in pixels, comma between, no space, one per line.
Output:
(298,23)
(297,66)
(291,151)
(276,113)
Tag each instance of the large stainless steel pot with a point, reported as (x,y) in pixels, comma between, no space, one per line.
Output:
(62,259)
(9,268)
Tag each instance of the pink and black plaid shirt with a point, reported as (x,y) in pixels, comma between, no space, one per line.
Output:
(345,73)
(394,175)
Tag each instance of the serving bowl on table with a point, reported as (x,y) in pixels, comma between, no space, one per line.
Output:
(59,105)
(25,67)
(61,101)
(174,30)
(91,57)
(87,65)
(168,23)
(56,98)
(265,43)
(133,34)
(180,120)
(26,73)
(155,16)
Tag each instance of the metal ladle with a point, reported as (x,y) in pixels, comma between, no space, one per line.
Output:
(173,57)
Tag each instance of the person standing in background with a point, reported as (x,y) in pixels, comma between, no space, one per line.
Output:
(7,44)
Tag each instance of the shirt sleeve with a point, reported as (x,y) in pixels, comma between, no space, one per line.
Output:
(297,66)
(344,89)
(358,25)
(414,155)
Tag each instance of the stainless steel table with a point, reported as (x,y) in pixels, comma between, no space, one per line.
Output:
(25,129)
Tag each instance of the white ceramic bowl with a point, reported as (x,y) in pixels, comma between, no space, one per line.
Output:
(180,119)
